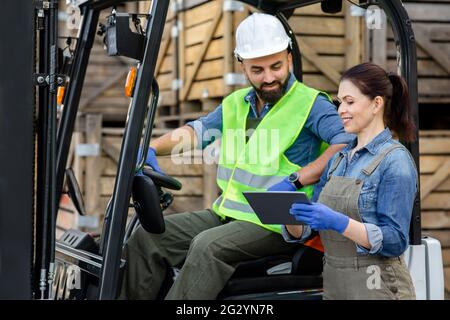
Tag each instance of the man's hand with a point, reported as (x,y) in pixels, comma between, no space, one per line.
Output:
(150,159)
(319,216)
(294,230)
(284,185)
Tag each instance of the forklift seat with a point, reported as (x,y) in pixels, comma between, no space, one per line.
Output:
(276,277)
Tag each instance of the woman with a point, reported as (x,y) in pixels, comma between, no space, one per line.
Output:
(366,194)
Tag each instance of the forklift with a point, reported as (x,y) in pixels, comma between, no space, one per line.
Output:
(79,266)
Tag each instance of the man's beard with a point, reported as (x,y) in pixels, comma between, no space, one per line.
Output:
(271,96)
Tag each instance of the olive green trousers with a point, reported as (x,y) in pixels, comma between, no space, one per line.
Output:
(206,249)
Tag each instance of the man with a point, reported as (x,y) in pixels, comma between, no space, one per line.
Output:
(286,119)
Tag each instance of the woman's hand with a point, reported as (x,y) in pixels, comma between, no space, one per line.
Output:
(319,216)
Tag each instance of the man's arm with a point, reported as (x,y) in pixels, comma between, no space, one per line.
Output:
(184,138)
(195,134)
(325,123)
(311,173)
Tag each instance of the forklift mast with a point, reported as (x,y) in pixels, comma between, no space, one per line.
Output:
(17,137)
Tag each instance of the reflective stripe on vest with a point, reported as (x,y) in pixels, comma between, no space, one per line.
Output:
(247,178)
(242,165)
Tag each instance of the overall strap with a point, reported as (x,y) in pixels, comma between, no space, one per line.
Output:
(375,163)
(335,164)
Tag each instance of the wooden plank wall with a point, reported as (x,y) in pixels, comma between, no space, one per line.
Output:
(435,191)
(431,26)
(328,47)
(166,73)
(205,43)
(192,77)
(85,160)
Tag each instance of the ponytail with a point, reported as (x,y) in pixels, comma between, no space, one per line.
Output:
(397,113)
(373,81)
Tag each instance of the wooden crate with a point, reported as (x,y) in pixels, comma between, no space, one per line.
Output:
(435,191)
(198,180)
(85,160)
(328,47)
(166,71)
(208,40)
(103,90)
(431,26)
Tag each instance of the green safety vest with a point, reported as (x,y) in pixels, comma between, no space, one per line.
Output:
(259,163)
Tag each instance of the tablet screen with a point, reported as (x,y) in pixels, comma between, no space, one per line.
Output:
(272,207)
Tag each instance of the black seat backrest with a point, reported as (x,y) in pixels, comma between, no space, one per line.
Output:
(146,200)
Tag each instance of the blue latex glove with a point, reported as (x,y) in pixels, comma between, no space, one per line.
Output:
(150,160)
(283,185)
(319,216)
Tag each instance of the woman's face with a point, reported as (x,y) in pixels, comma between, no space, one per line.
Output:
(355,110)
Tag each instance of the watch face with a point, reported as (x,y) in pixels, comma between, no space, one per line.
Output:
(293,177)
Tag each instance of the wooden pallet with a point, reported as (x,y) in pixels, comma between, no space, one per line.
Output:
(431,26)
(85,160)
(435,190)
(205,44)
(328,47)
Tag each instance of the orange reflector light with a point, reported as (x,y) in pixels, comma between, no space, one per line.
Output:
(60,95)
(129,84)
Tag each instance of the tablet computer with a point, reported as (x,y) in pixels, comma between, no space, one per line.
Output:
(272,207)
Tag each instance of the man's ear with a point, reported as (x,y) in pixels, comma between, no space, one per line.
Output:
(290,63)
(242,66)
(243,70)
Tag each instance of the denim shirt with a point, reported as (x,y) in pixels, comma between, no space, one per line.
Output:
(323,124)
(387,196)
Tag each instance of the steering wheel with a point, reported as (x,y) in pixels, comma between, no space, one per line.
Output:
(161,179)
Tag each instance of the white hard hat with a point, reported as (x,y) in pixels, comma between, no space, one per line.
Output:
(260,35)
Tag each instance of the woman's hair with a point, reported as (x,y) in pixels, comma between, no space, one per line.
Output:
(373,81)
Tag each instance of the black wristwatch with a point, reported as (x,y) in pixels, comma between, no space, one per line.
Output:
(294,178)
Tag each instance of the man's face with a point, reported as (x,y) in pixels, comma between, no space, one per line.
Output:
(269,75)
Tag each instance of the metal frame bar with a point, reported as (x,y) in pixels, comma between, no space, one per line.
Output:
(128,153)
(73,95)
(296,53)
(52,203)
(274,7)
(406,46)
(42,102)
(46,198)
